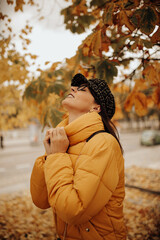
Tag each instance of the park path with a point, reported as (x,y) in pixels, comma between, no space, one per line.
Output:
(18,156)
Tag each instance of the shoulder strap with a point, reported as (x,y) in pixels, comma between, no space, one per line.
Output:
(93,134)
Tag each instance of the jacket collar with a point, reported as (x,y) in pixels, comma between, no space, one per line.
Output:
(81,128)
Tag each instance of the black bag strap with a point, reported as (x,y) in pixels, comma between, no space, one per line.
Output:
(92,135)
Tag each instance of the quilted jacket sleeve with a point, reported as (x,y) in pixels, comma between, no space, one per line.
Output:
(38,187)
(78,195)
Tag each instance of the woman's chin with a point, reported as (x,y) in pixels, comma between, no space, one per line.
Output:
(66,102)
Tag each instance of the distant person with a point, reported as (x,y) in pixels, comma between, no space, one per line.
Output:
(1,139)
(81,176)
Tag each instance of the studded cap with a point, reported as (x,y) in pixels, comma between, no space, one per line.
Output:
(100,91)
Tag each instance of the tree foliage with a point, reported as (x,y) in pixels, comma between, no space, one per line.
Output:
(124,37)
(13,78)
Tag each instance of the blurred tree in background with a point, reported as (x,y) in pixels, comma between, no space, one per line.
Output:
(125,39)
(13,78)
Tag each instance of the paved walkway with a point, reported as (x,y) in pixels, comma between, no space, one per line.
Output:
(18,156)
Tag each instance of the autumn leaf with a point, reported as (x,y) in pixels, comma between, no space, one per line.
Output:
(156,97)
(156,36)
(129,102)
(152,74)
(19,5)
(150,102)
(131,4)
(140,102)
(108,14)
(54,65)
(24,31)
(124,20)
(140,84)
(33,56)
(47,62)
(80,8)
(118,112)
(121,88)
(96,44)
(145,19)
(3,16)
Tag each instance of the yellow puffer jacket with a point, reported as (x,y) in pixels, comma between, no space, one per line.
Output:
(85,186)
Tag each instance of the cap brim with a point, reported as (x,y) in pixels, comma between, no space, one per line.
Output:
(78,80)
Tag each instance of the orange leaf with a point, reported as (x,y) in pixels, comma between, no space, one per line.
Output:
(152,74)
(121,89)
(54,65)
(140,84)
(23,31)
(150,102)
(47,62)
(96,43)
(85,50)
(33,56)
(129,102)
(156,97)
(156,36)
(140,104)
(80,8)
(118,112)
(28,41)
(125,21)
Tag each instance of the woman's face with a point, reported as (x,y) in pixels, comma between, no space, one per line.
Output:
(80,100)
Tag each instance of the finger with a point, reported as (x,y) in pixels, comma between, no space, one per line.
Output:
(48,131)
(53,133)
(47,137)
(62,131)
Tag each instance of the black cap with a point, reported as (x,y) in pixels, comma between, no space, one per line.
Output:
(100,91)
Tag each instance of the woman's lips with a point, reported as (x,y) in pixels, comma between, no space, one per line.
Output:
(70,95)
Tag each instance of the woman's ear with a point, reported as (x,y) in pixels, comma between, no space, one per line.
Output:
(96,108)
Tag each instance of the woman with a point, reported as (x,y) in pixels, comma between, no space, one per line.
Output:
(82,174)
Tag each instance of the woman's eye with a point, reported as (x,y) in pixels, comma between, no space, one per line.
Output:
(81,89)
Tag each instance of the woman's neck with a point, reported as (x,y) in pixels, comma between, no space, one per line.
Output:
(74,116)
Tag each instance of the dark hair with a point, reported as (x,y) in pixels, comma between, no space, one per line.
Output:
(110,127)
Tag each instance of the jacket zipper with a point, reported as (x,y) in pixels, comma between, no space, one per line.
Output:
(65,231)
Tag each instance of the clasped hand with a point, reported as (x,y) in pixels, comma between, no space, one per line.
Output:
(56,141)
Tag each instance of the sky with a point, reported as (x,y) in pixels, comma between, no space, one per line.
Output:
(50,41)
